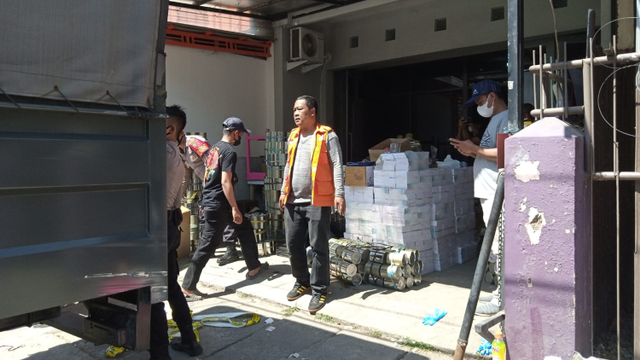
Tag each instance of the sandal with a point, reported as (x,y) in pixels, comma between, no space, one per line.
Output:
(192,297)
(263,267)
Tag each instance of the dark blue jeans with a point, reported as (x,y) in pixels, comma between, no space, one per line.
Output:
(298,219)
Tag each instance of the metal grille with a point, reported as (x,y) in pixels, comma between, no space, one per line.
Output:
(441,24)
(497,13)
(605,96)
(353,42)
(560,3)
(390,35)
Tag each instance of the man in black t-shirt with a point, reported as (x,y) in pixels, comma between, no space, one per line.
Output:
(221,210)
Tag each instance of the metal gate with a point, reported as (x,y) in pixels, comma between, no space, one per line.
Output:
(601,77)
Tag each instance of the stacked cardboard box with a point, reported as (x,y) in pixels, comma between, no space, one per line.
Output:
(453,223)
(397,211)
(465,217)
(417,207)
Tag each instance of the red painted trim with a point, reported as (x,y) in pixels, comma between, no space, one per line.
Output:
(208,41)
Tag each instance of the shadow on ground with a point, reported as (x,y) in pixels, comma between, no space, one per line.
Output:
(290,337)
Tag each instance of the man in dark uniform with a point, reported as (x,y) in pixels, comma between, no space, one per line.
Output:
(221,209)
(159,338)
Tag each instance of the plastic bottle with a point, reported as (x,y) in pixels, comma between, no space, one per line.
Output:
(498,347)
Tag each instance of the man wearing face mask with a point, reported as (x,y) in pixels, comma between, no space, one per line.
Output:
(197,151)
(221,209)
(486,94)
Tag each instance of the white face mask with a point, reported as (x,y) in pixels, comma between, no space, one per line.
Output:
(484,110)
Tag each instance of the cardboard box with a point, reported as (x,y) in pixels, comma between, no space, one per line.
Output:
(377,150)
(185,243)
(358,175)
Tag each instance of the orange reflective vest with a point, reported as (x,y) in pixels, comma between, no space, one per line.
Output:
(323,191)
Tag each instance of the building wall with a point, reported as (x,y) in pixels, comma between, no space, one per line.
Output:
(215,85)
(468,26)
(469,31)
(293,83)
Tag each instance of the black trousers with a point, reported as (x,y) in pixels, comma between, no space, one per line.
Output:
(316,220)
(216,221)
(179,308)
(230,235)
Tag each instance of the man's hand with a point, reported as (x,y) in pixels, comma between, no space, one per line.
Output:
(237,215)
(464,147)
(281,202)
(339,204)
(462,122)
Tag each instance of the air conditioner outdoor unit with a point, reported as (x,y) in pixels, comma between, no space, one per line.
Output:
(305,44)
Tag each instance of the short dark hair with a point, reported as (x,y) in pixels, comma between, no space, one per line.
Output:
(310,101)
(177,111)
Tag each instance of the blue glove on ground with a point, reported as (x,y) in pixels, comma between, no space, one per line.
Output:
(434,316)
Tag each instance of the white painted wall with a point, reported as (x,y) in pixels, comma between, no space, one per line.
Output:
(213,86)
(468,26)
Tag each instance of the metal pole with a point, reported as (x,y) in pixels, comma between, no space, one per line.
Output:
(576,64)
(616,169)
(543,101)
(533,81)
(636,255)
(515,20)
(589,104)
(612,175)
(478,276)
(587,76)
(566,85)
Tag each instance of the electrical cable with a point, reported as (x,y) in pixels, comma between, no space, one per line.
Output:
(607,24)
(598,98)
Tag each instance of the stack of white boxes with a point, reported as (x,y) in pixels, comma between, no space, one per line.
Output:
(453,223)
(414,206)
(465,217)
(443,230)
(399,211)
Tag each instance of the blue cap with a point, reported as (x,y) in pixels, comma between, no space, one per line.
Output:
(482,88)
(233,123)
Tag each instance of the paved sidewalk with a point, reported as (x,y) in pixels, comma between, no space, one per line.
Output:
(396,313)
(364,322)
(290,336)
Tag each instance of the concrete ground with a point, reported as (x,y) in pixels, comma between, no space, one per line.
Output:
(357,322)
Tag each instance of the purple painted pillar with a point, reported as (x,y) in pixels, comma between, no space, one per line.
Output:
(547,243)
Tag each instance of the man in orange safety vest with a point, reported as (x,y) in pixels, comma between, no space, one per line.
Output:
(313,184)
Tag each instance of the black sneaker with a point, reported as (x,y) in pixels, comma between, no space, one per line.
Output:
(297,291)
(230,256)
(317,303)
(193,349)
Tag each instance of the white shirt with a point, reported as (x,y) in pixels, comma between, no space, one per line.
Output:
(175,175)
(485,171)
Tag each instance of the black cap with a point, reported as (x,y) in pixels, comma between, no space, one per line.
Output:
(233,123)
